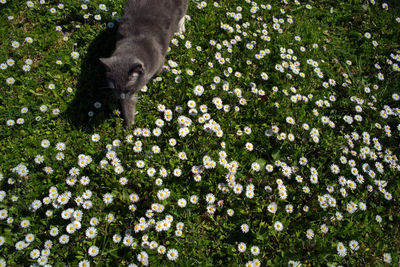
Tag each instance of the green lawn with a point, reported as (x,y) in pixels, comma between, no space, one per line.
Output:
(272,141)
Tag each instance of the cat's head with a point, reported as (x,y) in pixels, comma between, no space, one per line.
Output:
(124,75)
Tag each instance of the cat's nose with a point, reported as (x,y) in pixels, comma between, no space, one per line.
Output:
(125,94)
(128,104)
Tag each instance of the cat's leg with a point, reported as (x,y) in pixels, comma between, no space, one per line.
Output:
(128,104)
(181,25)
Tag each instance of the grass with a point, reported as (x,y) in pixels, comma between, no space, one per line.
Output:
(326,38)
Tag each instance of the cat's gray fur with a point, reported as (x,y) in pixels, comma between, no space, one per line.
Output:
(145,32)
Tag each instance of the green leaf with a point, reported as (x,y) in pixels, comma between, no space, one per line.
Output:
(276,154)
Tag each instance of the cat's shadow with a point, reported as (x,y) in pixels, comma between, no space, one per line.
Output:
(92,86)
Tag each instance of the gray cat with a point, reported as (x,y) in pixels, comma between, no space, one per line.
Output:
(143,37)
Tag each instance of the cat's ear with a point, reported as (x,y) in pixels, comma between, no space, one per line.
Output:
(134,74)
(107,62)
(136,70)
